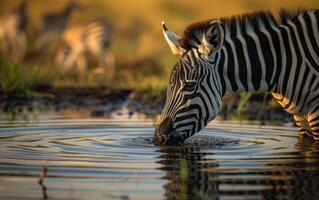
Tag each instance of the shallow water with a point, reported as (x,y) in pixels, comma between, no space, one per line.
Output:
(115,159)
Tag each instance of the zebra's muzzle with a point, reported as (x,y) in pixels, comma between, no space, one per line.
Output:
(165,135)
(174,139)
(163,132)
(171,139)
(159,139)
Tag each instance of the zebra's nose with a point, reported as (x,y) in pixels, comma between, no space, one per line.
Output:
(162,131)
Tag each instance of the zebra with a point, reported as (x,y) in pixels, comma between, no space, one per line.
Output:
(253,52)
(13,38)
(54,24)
(80,45)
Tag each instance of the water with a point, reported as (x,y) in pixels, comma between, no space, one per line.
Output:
(115,159)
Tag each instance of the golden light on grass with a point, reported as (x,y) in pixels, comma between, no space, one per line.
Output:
(137,31)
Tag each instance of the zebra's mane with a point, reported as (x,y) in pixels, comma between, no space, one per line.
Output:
(193,33)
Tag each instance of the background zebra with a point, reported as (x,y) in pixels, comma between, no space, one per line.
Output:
(13,38)
(54,24)
(81,46)
(252,52)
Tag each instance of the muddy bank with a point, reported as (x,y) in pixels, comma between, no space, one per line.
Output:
(104,102)
(100,102)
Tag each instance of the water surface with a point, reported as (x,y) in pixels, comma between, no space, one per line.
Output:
(115,159)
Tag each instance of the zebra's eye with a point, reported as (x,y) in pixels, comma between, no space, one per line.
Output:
(189,86)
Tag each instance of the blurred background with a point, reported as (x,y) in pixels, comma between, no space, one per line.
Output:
(48,45)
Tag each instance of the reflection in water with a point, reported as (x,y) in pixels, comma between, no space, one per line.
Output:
(186,175)
(193,173)
(110,159)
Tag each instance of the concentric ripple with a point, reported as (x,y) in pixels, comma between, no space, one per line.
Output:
(109,159)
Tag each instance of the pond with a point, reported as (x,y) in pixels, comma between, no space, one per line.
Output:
(94,158)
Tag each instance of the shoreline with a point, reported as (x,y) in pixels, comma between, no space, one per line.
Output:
(105,102)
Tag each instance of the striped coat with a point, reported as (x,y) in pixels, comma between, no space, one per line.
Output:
(252,52)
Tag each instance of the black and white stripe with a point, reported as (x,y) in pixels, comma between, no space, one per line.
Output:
(80,45)
(258,54)
(97,37)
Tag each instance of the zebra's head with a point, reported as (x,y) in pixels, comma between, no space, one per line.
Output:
(194,90)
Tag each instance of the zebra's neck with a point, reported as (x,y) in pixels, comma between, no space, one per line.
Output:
(262,55)
(248,60)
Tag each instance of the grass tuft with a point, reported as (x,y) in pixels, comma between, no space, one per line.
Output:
(17,81)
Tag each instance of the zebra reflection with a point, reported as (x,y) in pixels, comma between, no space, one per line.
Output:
(186,173)
(193,173)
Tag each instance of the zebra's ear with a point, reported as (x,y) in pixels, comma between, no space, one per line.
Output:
(173,41)
(213,38)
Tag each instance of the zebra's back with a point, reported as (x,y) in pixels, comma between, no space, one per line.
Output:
(96,36)
(89,44)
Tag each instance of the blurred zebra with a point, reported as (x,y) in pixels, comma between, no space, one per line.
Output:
(252,52)
(54,24)
(13,38)
(81,45)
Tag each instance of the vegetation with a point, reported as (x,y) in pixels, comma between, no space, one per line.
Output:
(143,60)
(17,81)
(244,97)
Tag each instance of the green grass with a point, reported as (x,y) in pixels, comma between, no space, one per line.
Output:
(17,81)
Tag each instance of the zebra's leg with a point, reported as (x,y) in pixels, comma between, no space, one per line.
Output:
(313,121)
(302,125)
(109,64)
(80,65)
